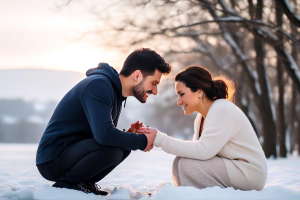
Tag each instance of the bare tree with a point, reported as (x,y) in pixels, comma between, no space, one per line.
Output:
(281,117)
(294,105)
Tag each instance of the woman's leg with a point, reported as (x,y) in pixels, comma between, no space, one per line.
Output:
(203,173)
(175,173)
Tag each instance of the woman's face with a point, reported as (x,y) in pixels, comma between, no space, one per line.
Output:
(188,100)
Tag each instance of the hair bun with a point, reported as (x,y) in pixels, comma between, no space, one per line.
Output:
(214,87)
(219,89)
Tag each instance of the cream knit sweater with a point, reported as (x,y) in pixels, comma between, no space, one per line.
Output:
(227,133)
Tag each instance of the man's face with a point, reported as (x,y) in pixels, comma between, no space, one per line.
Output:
(147,86)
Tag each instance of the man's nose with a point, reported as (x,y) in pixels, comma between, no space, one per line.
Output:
(155,90)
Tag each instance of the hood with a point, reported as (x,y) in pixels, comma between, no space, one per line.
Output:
(108,71)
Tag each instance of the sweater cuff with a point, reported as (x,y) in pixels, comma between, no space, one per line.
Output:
(143,142)
(159,138)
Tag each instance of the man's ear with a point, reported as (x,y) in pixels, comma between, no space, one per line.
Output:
(137,76)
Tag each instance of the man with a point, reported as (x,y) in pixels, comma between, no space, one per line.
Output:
(81,143)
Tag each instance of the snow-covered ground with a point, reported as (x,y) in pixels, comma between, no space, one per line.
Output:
(140,174)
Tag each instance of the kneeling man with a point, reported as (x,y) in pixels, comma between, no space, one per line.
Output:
(81,143)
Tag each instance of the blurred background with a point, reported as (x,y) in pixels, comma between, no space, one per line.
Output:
(47,46)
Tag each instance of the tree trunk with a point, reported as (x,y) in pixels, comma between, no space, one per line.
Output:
(293,113)
(281,117)
(267,106)
(297,125)
(295,105)
(293,119)
(298,131)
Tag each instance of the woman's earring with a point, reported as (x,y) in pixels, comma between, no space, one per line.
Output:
(200,95)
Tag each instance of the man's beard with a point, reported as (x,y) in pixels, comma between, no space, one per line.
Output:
(139,92)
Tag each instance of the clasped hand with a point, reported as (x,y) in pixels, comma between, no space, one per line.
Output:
(149,132)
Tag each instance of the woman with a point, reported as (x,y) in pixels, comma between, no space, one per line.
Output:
(225,151)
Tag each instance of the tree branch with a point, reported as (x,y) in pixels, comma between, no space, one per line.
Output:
(289,12)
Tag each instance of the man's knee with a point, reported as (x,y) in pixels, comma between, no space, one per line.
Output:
(126,154)
(49,171)
(115,154)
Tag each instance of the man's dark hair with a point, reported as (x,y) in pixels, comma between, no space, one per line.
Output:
(147,61)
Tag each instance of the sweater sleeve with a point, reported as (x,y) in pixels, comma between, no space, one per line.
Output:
(196,127)
(216,133)
(97,102)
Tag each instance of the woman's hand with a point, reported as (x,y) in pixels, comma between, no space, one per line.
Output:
(135,126)
(147,130)
(150,134)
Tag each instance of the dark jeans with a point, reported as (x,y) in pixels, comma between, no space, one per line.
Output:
(83,161)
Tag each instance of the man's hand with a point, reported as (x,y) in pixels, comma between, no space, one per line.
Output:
(150,134)
(135,126)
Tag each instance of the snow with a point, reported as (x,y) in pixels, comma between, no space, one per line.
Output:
(257,87)
(291,10)
(231,18)
(226,8)
(269,92)
(141,173)
(293,66)
(244,101)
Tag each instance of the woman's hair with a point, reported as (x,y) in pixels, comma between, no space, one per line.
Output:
(197,77)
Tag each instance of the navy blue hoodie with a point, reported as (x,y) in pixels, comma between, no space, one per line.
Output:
(90,109)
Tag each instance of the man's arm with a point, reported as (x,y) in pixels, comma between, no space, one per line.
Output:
(97,101)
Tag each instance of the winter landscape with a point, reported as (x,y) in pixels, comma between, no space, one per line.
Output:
(47,46)
(140,174)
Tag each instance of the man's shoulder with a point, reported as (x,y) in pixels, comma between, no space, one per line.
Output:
(97,79)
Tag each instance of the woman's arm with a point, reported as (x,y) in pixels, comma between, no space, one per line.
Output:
(217,132)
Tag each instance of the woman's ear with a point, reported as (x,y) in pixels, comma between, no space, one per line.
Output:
(200,93)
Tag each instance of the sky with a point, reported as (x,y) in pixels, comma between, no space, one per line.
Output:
(35,34)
